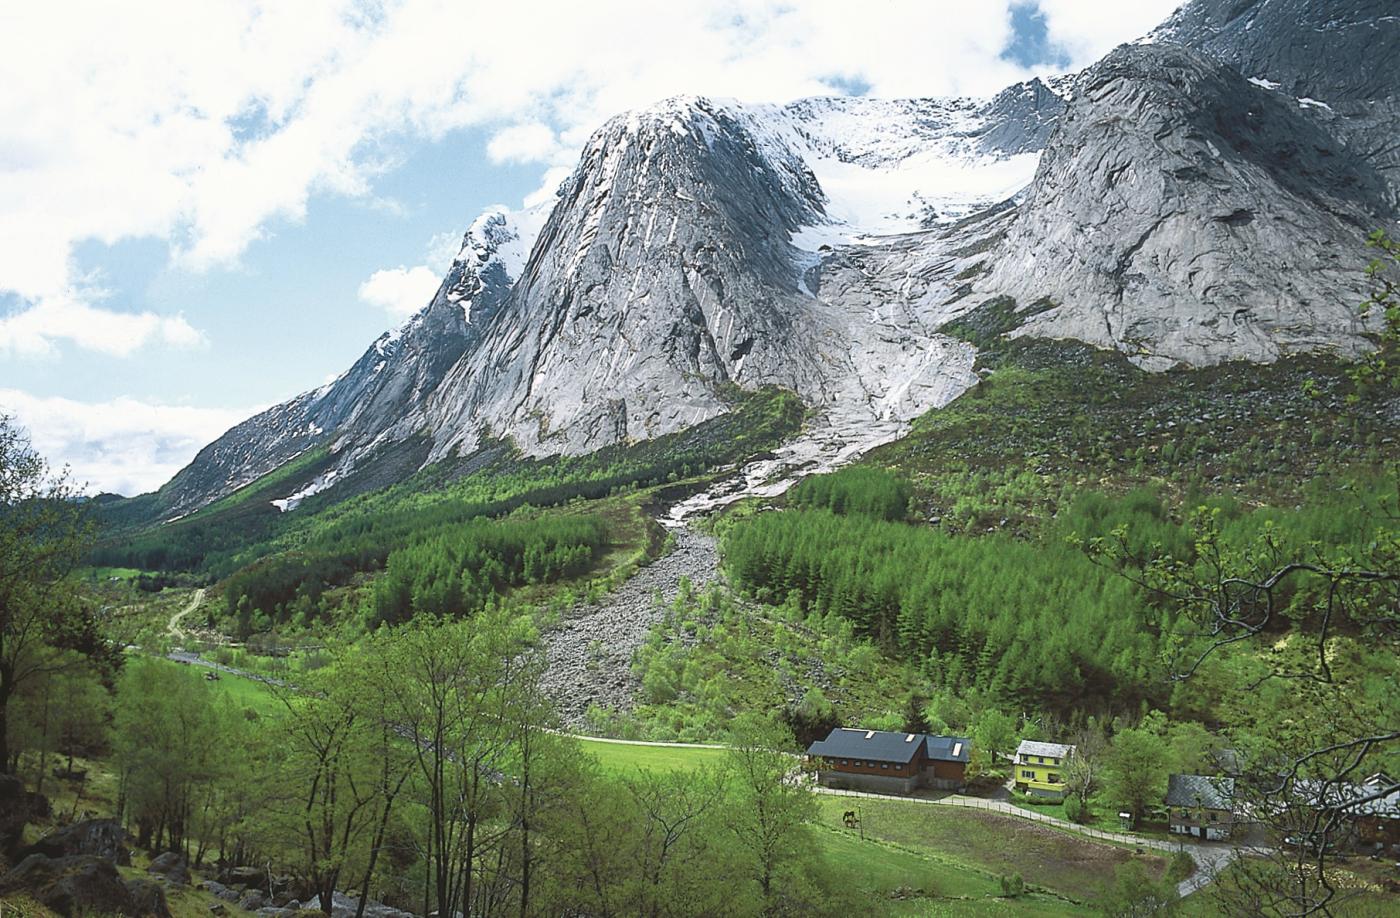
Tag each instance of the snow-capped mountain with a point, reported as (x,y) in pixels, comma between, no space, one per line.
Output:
(1197,197)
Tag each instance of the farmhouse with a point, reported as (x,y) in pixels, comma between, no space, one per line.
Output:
(892,763)
(1040,768)
(1201,806)
(1371,809)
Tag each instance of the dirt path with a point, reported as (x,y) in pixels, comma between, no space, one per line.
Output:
(173,628)
(590,652)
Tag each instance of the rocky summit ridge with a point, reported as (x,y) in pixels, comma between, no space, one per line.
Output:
(1196,197)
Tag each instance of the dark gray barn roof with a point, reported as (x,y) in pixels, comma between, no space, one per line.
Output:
(949,748)
(883,746)
(844,742)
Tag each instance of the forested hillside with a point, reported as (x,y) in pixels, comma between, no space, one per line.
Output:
(280,570)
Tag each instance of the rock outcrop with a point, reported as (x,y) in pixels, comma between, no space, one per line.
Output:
(1182,214)
(104,838)
(76,885)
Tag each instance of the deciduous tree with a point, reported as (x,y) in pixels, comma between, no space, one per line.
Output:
(1135,770)
(43,537)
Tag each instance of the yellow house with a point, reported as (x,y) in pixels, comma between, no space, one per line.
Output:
(1040,768)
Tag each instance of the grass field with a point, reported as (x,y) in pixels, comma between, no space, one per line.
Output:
(619,758)
(918,859)
(108,573)
(244,693)
(997,845)
(900,881)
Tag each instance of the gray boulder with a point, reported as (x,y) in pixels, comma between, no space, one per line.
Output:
(99,837)
(245,876)
(171,867)
(80,884)
(148,897)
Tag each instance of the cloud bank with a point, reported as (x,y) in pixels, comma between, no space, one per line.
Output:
(123,445)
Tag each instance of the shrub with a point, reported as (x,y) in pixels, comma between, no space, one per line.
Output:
(1181,866)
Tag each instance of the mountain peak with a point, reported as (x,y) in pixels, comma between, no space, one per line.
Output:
(1160,203)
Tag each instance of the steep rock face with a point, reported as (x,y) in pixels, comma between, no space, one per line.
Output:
(1328,50)
(1181,213)
(1335,58)
(666,273)
(1019,119)
(659,276)
(683,256)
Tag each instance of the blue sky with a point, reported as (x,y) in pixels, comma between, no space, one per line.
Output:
(206,208)
(288,313)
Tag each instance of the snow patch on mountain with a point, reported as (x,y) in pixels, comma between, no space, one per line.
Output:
(503,236)
(890,166)
(317,485)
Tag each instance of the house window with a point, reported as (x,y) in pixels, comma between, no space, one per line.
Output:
(844,762)
(884,764)
(1052,779)
(1028,774)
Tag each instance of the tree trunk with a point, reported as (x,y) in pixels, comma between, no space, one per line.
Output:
(7,689)
(525,826)
(469,866)
(428,879)
(378,842)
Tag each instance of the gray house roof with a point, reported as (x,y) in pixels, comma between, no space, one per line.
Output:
(844,742)
(949,748)
(1200,790)
(1052,750)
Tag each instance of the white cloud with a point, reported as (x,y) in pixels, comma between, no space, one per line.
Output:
(532,142)
(1089,29)
(122,445)
(34,331)
(400,291)
(549,186)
